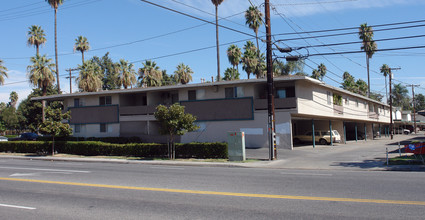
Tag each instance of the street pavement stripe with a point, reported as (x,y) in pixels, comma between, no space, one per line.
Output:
(17,206)
(311,198)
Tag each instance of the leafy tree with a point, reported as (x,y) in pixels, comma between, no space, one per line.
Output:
(376,96)
(254,19)
(109,72)
(13,99)
(30,112)
(36,37)
(234,54)
(400,96)
(385,70)
(349,84)
(361,87)
(291,67)
(420,102)
(53,125)
(250,58)
(127,74)
(3,72)
(231,74)
(82,45)
(40,74)
(150,74)
(183,74)
(90,78)
(55,5)
(368,46)
(2,106)
(10,118)
(174,122)
(216,4)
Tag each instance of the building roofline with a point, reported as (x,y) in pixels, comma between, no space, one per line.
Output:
(201,85)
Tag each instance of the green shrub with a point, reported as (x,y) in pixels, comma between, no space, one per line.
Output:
(97,148)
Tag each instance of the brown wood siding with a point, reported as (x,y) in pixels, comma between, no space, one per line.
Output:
(94,114)
(221,109)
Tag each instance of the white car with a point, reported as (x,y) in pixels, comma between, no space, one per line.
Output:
(2,138)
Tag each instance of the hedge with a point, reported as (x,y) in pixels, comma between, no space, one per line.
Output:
(112,140)
(97,148)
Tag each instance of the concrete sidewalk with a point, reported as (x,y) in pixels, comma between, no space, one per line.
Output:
(362,155)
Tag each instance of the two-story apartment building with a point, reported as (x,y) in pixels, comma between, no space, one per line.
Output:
(224,106)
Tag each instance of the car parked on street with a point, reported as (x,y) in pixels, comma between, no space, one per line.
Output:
(25,137)
(320,136)
(3,138)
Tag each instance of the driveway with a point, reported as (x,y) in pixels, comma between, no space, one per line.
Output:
(364,155)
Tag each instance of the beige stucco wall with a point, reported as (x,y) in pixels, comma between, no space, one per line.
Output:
(93,130)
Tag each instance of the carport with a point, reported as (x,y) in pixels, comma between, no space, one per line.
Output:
(302,125)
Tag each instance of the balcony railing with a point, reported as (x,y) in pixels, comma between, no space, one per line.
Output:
(373,115)
(279,103)
(137,110)
(338,109)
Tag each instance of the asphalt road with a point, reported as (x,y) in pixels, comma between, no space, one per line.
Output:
(69,190)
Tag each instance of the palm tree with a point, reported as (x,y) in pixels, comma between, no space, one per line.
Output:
(183,74)
(150,74)
(254,19)
(13,99)
(216,4)
(40,74)
(90,78)
(234,54)
(361,87)
(385,70)
(349,83)
(55,4)
(36,37)
(322,70)
(250,58)
(127,74)
(81,44)
(3,72)
(231,74)
(368,46)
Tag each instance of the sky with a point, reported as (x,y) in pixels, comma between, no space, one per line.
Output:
(137,31)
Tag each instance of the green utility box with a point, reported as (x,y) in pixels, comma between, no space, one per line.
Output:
(236,142)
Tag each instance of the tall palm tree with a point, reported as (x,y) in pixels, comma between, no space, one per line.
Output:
(349,83)
(40,75)
(368,46)
(36,37)
(250,58)
(13,99)
(254,19)
(127,74)
(82,45)
(216,4)
(385,70)
(183,74)
(322,70)
(234,54)
(90,78)
(3,72)
(150,74)
(55,4)
(231,74)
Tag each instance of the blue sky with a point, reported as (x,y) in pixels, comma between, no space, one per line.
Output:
(136,31)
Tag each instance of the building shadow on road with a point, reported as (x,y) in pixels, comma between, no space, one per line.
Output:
(366,164)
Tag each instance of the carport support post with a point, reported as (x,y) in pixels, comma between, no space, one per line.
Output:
(379,130)
(373,131)
(312,128)
(345,134)
(355,128)
(365,132)
(330,131)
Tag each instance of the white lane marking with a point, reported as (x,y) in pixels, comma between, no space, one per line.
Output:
(307,174)
(49,170)
(168,168)
(24,174)
(17,206)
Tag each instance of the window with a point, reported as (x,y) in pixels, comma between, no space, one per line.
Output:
(76,102)
(105,100)
(77,128)
(229,93)
(365,105)
(191,95)
(103,128)
(357,103)
(286,92)
(347,101)
(281,93)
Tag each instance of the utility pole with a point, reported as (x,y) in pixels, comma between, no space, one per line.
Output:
(270,95)
(414,106)
(391,104)
(70,78)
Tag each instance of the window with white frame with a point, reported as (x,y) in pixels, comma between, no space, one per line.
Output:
(105,100)
(329,97)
